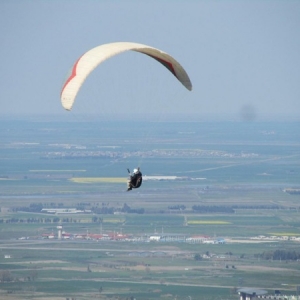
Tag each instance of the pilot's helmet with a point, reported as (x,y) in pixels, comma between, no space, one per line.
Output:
(135,171)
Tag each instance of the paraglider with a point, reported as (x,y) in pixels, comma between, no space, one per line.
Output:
(94,57)
(135,179)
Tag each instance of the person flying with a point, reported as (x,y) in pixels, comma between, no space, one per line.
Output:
(135,179)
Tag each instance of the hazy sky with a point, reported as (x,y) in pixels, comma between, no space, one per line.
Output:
(242,56)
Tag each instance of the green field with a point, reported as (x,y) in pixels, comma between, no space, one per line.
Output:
(85,269)
(237,182)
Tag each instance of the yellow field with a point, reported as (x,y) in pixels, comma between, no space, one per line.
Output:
(204,222)
(110,220)
(98,180)
(57,171)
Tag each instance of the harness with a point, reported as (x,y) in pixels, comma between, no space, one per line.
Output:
(137,182)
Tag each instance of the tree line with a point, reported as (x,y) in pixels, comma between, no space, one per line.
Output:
(37,208)
(280,255)
(105,208)
(38,220)
(212,209)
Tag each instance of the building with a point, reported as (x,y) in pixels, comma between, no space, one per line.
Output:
(250,293)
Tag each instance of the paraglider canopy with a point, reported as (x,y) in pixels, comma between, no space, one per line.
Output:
(94,57)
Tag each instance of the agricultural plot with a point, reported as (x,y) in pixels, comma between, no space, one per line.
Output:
(230,197)
(83,269)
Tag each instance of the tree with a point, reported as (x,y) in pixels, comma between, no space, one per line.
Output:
(229,253)
(5,276)
(32,274)
(197,257)
(126,208)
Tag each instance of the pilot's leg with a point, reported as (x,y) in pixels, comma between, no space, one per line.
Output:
(129,186)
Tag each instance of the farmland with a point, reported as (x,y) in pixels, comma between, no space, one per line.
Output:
(234,190)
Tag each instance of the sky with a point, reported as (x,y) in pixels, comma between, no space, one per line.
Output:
(241,56)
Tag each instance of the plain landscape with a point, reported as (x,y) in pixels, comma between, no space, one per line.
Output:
(218,209)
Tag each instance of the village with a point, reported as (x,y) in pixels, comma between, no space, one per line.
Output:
(60,234)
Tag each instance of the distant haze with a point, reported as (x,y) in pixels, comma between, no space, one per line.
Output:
(242,57)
